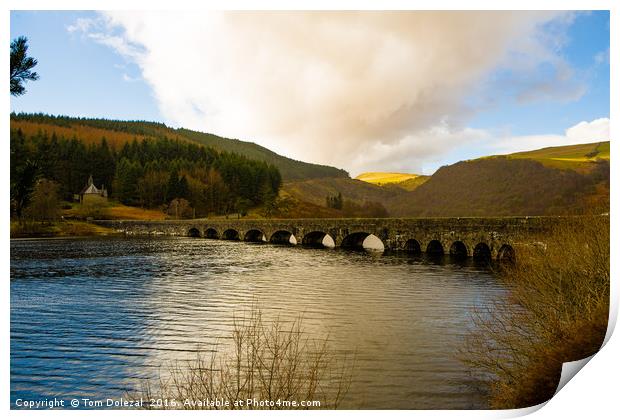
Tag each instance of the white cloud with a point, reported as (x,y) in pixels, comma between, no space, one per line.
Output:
(351,89)
(127,78)
(602,57)
(422,152)
(586,132)
(583,132)
(81,25)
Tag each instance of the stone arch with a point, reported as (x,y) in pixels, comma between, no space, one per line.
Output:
(254,235)
(318,239)
(434,247)
(482,252)
(413,247)
(230,235)
(458,249)
(362,240)
(283,237)
(193,233)
(211,233)
(506,253)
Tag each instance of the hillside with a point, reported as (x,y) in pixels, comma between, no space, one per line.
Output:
(289,168)
(555,180)
(117,133)
(505,186)
(579,157)
(315,191)
(408,182)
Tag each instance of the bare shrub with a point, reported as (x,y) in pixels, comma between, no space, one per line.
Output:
(267,363)
(44,201)
(556,311)
(180,208)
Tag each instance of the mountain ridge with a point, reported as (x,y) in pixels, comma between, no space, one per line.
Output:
(553,180)
(118,132)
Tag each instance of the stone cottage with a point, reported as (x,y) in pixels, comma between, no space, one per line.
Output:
(91,194)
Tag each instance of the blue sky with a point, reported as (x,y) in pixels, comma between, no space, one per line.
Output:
(89,72)
(587,38)
(78,77)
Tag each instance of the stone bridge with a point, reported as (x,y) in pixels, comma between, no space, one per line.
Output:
(484,238)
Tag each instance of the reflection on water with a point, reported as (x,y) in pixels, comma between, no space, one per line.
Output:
(92,317)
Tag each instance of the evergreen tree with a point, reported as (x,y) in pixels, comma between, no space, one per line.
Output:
(21,66)
(137,172)
(182,188)
(126,181)
(172,191)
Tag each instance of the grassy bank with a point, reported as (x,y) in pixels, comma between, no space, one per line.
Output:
(111,210)
(32,229)
(556,311)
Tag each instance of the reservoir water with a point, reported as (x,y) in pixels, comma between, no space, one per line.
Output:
(94,317)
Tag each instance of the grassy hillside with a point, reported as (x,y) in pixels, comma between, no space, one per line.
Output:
(579,157)
(408,182)
(289,168)
(315,191)
(379,178)
(506,186)
(555,180)
(117,133)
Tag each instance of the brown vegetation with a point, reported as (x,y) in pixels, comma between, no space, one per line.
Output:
(556,311)
(315,190)
(266,363)
(44,201)
(86,134)
(35,229)
(501,186)
(110,210)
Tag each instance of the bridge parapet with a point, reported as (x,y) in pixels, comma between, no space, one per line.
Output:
(460,236)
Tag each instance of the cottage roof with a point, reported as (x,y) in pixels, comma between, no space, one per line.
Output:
(90,188)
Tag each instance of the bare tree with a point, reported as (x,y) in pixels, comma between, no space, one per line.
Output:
(44,202)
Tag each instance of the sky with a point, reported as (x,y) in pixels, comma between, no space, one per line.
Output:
(362,91)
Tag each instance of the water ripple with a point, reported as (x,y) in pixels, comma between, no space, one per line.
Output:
(93,317)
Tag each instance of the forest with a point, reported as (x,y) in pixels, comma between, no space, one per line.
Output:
(149,173)
(117,133)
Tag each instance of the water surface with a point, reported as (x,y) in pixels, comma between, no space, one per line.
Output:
(94,317)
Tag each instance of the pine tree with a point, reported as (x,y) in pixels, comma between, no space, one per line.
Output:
(21,66)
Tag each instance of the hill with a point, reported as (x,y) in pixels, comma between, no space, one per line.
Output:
(408,182)
(316,191)
(579,157)
(555,180)
(118,133)
(289,168)
(174,176)
(506,186)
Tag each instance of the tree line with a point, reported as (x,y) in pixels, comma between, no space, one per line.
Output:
(148,173)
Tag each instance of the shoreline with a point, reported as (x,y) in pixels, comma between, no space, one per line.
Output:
(30,230)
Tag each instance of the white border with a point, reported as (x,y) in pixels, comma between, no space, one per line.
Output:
(593,393)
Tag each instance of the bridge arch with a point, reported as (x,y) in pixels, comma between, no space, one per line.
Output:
(230,235)
(412,246)
(361,241)
(482,252)
(458,250)
(193,233)
(254,235)
(211,233)
(434,247)
(283,237)
(318,239)
(506,253)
